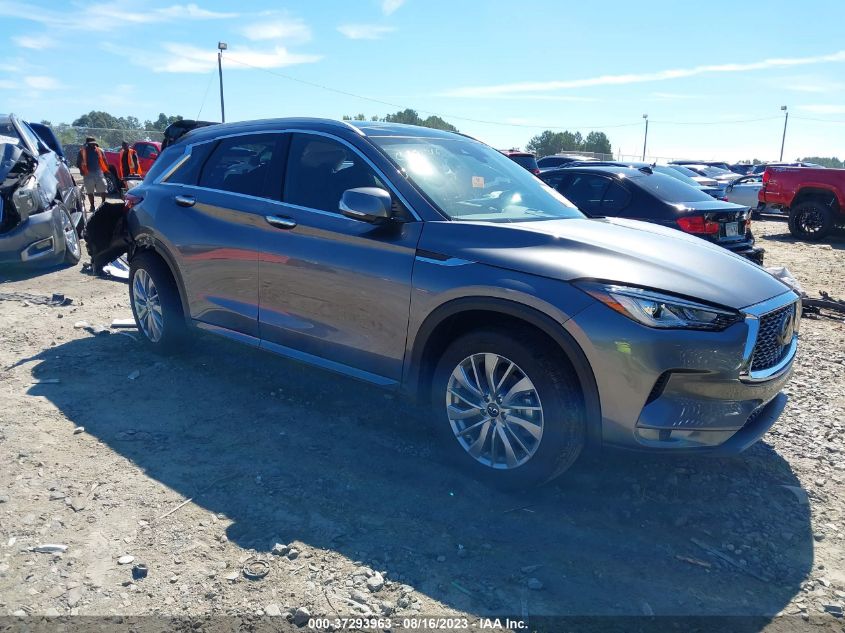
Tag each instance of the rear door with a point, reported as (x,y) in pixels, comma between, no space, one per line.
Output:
(213,215)
(335,291)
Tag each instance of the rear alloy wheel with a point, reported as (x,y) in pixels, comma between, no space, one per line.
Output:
(155,304)
(514,413)
(73,248)
(811,220)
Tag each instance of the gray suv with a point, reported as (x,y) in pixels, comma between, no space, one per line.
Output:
(428,262)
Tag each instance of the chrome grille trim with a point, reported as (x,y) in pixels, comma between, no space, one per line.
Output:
(760,319)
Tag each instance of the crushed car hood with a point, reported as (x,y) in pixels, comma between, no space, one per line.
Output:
(609,249)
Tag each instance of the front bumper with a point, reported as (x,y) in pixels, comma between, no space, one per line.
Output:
(682,390)
(36,241)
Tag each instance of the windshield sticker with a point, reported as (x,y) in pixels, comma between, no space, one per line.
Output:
(478,182)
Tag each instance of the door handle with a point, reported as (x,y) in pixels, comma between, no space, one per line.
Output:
(280,222)
(185,201)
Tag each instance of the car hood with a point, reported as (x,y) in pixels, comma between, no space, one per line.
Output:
(627,252)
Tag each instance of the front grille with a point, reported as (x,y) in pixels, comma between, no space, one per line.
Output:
(768,351)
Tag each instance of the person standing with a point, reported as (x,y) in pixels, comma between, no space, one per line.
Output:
(129,163)
(91,162)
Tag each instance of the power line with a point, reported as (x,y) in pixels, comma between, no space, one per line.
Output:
(430,112)
(503,123)
(207,86)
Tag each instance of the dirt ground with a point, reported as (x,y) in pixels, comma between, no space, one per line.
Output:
(193,465)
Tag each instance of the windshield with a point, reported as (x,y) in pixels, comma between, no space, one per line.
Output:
(470,181)
(527,162)
(715,171)
(674,173)
(671,190)
(8,134)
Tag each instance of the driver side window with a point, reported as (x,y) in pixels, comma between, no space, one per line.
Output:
(320,169)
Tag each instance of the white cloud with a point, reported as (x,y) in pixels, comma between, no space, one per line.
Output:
(822,108)
(292,30)
(365,31)
(389,6)
(106,16)
(42,82)
(635,78)
(35,42)
(184,58)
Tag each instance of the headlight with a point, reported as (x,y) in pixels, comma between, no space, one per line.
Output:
(659,310)
(28,198)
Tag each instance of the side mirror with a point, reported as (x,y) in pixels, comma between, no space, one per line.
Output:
(153,156)
(367,204)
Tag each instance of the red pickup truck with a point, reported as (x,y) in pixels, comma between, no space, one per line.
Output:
(148,151)
(813,198)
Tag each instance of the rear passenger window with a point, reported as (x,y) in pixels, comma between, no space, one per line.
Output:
(615,198)
(188,172)
(240,164)
(586,191)
(320,169)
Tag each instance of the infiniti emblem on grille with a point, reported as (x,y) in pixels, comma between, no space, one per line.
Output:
(787,328)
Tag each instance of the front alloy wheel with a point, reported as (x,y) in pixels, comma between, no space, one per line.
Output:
(513,404)
(73,249)
(155,303)
(494,411)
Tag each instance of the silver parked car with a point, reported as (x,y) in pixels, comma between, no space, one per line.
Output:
(428,262)
(744,190)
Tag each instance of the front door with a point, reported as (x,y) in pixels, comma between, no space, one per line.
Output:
(335,291)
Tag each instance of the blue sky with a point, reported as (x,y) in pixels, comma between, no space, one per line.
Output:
(711,76)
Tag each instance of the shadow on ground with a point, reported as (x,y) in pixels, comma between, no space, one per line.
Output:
(290,453)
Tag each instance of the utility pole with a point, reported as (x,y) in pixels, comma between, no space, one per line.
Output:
(221,46)
(645,140)
(785,121)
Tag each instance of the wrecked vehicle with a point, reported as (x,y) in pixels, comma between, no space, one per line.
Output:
(106,235)
(41,212)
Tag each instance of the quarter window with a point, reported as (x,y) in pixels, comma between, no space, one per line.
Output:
(320,169)
(240,164)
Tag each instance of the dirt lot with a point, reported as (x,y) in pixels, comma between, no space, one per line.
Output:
(191,465)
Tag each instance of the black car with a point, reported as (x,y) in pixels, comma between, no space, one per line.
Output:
(641,194)
(716,192)
(559,160)
(41,211)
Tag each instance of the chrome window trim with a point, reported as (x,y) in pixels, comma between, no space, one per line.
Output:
(189,148)
(753,314)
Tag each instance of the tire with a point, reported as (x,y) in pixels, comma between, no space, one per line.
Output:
(112,184)
(72,244)
(811,220)
(156,305)
(555,392)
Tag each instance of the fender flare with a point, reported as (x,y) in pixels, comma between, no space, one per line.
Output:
(413,380)
(147,242)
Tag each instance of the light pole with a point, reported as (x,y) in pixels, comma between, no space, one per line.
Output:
(645,140)
(221,46)
(785,120)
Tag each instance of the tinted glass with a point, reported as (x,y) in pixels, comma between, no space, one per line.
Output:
(587,190)
(319,171)
(615,198)
(468,180)
(188,172)
(529,162)
(669,189)
(144,150)
(551,161)
(240,164)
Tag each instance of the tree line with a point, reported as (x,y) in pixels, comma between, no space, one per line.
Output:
(110,130)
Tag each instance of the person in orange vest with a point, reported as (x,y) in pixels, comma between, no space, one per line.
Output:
(92,165)
(129,163)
